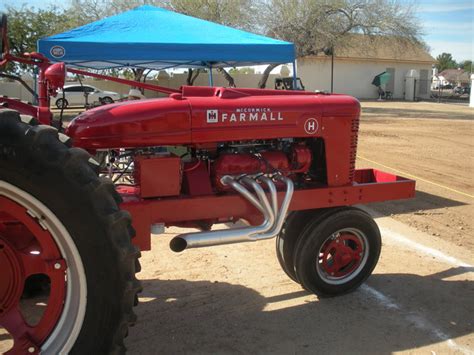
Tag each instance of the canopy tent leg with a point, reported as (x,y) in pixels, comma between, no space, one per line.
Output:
(211,79)
(294,75)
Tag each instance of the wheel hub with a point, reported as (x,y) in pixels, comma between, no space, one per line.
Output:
(11,277)
(28,248)
(341,255)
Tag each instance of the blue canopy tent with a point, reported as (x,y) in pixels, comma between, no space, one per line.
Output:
(154,38)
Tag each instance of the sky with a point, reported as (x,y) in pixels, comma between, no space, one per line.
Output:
(448,25)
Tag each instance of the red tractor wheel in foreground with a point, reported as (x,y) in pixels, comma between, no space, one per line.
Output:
(337,251)
(61,224)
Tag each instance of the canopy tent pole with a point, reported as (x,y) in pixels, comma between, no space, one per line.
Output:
(294,75)
(211,80)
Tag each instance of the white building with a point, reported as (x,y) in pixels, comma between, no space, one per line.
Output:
(360,60)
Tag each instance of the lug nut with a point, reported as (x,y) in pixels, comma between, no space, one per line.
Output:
(57,266)
(31,349)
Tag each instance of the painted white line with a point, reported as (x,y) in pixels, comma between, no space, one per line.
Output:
(384,300)
(400,239)
(417,320)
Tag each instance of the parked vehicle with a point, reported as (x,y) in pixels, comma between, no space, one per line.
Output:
(76,95)
(284,162)
(462,90)
(447,87)
(288,84)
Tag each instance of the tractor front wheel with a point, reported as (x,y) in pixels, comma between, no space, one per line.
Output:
(61,227)
(337,253)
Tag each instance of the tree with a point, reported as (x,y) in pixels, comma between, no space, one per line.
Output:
(192,76)
(467,66)
(234,13)
(27,25)
(445,61)
(316,25)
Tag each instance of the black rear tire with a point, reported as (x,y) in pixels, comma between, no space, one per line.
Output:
(40,162)
(324,269)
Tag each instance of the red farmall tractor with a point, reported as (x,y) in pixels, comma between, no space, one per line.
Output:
(76,206)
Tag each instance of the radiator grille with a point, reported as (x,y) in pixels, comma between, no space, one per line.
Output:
(353,151)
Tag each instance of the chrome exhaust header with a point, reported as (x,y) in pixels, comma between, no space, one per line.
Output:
(273,218)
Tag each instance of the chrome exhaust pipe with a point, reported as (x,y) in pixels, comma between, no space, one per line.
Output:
(271,226)
(280,219)
(234,235)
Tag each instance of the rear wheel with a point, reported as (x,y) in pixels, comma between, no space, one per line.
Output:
(107,100)
(62,103)
(61,228)
(336,254)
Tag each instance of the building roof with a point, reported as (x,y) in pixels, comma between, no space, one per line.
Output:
(381,48)
(455,75)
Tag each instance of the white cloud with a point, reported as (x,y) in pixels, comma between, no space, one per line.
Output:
(460,50)
(443,26)
(447,7)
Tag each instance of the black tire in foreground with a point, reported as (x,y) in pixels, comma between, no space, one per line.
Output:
(57,184)
(337,251)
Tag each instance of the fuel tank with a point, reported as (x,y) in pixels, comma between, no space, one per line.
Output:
(204,115)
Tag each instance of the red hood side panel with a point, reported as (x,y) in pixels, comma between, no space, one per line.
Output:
(138,123)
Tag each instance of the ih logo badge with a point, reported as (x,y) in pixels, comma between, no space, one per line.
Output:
(212,116)
(311,126)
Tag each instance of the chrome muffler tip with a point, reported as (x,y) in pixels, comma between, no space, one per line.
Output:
(178,244)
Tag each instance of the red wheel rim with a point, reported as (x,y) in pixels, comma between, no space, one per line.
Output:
(342,256)
(28,248)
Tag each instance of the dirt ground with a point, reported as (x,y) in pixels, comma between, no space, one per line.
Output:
(235,299)
(433,142)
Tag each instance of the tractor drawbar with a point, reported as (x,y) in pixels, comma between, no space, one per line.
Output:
(273,218)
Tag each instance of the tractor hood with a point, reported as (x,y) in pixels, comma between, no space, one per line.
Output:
(202,115)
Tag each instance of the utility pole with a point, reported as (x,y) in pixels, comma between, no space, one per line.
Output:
(332,69)
(330,51)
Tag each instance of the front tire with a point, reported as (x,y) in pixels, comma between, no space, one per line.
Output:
(60,220)
(336,254)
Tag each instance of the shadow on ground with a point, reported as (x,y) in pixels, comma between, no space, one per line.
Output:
(179,316)
(422,202)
